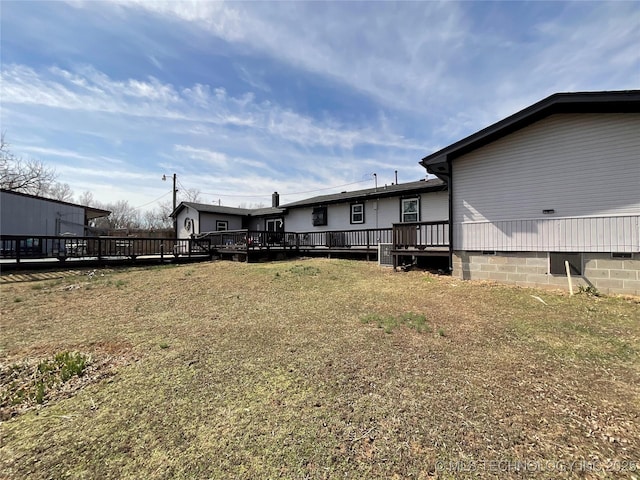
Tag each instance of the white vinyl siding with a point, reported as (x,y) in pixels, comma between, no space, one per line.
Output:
(585,167)
(584,234)
(205,222)
(382,213)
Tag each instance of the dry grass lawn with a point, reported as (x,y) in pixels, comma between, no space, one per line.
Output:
(317,369)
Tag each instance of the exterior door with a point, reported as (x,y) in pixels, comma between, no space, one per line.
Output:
(275,229)
(409,213)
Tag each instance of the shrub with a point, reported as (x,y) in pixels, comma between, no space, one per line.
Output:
(29,384)
(589,290)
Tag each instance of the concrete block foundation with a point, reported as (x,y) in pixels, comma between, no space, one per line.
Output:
(531,269)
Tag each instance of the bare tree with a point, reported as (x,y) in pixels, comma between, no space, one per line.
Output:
(164,209)
(251,205)
(27,176)
(86,199)
(156,220)
(160,217)
(59,191)
(190,195)
(123,215)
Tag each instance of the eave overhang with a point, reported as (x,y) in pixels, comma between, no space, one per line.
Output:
(583,102)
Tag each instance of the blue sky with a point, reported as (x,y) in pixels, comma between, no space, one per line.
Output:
(242,99)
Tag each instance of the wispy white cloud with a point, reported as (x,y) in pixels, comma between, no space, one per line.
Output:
(218,159)
(429,58)
(252,79)
(68,154)
(155,62)
(90,90)
(395,54)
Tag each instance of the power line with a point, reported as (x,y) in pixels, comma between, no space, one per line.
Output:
(266,195)
(153,201)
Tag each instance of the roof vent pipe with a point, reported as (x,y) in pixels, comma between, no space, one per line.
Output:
(396,177)
(275,200)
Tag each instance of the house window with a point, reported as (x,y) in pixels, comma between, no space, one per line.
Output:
(410,210)
(357,213)
(222,225)
(274,225)
(557,259)
(319,216)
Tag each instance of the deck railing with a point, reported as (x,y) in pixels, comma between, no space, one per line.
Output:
(30,247)
(260,239)
(420,235)
(366,238)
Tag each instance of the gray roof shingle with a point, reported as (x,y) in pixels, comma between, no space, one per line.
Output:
(207,207)
(433,184)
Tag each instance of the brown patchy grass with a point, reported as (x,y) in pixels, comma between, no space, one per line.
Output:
(287,370)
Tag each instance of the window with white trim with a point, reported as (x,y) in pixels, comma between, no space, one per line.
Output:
(222,225)
(357,213)
(410,210)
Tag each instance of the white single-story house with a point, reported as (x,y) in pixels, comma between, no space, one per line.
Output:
(198,218)
(25,214)
(368,209)
(372,208)
(558,181)
(356,222)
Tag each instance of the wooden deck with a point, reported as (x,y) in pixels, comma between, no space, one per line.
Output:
(417,239)
(422,252)
(406,240)
(20,251)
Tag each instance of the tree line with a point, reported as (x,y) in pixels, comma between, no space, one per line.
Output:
(36,178)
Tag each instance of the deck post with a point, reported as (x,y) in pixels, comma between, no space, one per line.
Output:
(99,249)
(450,226)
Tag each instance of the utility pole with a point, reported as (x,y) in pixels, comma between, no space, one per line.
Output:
(175,195)
(175,198)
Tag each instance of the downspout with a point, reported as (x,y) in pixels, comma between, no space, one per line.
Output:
(450,187)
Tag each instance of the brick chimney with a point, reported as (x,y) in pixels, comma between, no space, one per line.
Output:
(275,200)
